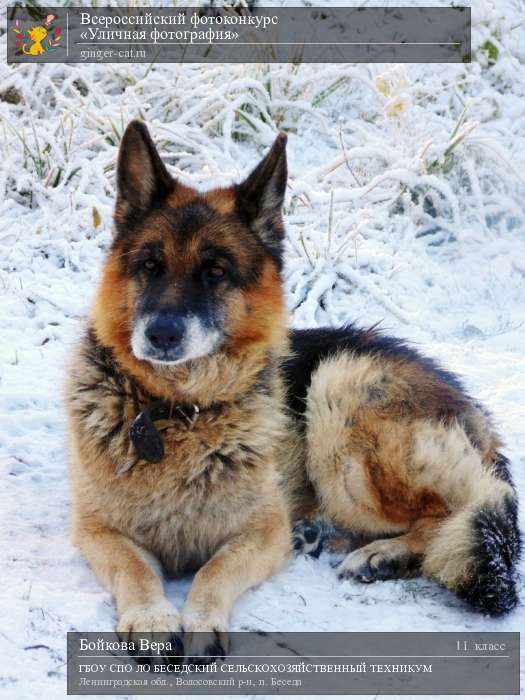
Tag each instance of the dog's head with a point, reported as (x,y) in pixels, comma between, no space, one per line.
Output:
(191,273)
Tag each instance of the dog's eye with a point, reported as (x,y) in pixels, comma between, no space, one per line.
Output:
(215,272)
(150,265)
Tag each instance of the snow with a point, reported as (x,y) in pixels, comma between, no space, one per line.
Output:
(405,206)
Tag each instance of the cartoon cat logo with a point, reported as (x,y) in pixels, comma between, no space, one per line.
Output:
(41,38)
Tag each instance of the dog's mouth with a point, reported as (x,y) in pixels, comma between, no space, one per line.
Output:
(173,340)
(166,358)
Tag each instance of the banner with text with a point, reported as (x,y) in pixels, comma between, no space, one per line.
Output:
(320,663)
(239,35)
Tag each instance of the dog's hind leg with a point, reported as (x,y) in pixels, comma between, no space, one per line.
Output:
(380,465)
(394,557)
(129,572)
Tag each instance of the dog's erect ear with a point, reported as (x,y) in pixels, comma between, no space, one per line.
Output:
(260,197)
(142,178)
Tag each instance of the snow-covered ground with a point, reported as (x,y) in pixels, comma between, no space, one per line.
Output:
(406,205)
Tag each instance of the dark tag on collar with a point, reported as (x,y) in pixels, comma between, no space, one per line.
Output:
(146,439)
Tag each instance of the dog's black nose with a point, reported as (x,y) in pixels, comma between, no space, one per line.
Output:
(165,331)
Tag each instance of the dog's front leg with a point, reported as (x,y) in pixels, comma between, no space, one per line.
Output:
(129,572)
(241,563)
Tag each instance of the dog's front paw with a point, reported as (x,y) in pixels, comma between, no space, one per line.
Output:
(202,648)
(158,622)
(205,638)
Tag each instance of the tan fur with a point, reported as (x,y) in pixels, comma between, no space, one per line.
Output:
(383,451)
(256,317)
(452,566)
(214,503)
(221,199)
(378,461)
(402,548)
(417,478)
(223,469)
(379,466)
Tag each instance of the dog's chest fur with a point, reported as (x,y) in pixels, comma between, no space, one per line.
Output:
(212,477)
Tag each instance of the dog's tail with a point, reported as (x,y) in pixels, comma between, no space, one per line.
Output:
(475,551)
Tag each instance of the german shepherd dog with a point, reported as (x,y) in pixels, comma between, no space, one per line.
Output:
(203,428)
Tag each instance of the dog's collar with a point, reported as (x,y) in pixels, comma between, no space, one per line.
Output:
(146,438)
